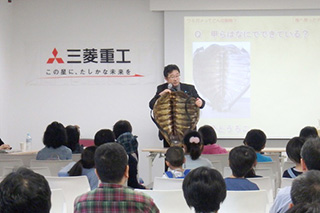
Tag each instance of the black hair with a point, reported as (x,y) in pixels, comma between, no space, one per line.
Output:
(121,127)
(310,153)
(208,134)
(293,149)
(305,208)
(307,132)
(241,160)
(256,139)
(306,188)
(55,135)
(86,161)
(103,136)
(175,156)
(193,148)
(111,161)
(204,189)
(73,136)
(25,191)
(169,68)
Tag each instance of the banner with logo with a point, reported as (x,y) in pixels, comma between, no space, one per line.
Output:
(89,63)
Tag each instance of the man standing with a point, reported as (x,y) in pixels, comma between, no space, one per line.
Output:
(112,196)
(172,76)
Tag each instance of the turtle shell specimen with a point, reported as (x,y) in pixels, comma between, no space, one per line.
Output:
(174,114)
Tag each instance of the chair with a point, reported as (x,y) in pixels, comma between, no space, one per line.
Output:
(72,187)
(58,202)
(54,165)
(160,183)
(45,171)
(265,183)
(245,201)
(286,182)
(76,157)
(275,166)
(13,163)
(223,158)
(168,200)
(25,157)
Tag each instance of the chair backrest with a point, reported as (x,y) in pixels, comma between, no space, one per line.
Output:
(45,171)
(25,157)
(265,183)
(160,183)
(72,187)
(13,163)
(58,201)
(223,158)
(275,166)
(168,200)
(54,165)
(76,157)
(245,201)
(286,182)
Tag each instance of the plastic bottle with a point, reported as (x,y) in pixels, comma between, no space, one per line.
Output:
(28,142)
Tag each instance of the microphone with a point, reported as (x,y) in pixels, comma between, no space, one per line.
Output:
(170,87)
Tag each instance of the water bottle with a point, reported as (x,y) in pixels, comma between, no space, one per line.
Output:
(28,142)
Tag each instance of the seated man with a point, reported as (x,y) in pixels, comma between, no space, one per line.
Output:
(241,160)
(256,139)
(204,189)
(174,160)
(111,162)
(25,191)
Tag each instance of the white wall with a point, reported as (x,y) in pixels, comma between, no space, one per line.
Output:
(92,107)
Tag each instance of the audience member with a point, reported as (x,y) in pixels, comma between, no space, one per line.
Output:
(85,166)
(193,148)
(111,162)
(55,140)
(73,137)
(24,191)
(204,189)
(174,160)
(122,130)
(306,188)
(104,136)
(256,139)
(305,208)
(310,160)
(209,138)
(308,132)
(293,150)
(241,160)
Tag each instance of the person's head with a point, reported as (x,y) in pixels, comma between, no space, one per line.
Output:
(308,132)
(208,134)
(306,188)
(24,191)
(104,136)
(293,149)
(305,208)
(55,135)
(256,139)
(241,160)
(86,161)
(175,157)
(310,154)
(204,189)
(111,162)
(193,144)
(121,127)
(171,73)
(73,136)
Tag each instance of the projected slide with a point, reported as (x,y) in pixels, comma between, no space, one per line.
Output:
(254,72)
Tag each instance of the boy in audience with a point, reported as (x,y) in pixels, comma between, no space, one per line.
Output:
(25,191)
(174,160)
(308,132)
(209,138)
(256,139)
(293,150)
(204,189)
(241,160)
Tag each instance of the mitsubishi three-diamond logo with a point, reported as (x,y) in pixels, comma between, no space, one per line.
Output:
(51,60)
